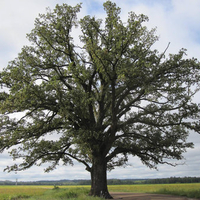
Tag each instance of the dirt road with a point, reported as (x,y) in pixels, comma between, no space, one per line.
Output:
(139,196)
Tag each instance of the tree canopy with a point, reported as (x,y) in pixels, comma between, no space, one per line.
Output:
(107,96)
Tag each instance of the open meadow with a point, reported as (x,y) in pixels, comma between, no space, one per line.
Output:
(80,192)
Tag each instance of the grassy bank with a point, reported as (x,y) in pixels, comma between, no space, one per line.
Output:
(45,193)
(81,192)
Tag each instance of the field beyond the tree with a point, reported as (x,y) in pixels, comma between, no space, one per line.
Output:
(191,190)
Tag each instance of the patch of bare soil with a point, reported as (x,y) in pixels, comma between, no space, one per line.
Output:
(141,196)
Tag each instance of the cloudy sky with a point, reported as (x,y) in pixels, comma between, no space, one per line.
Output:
(177,22)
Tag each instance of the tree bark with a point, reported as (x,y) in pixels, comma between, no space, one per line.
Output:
(99,179)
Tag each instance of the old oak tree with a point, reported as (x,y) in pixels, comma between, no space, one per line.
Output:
(106,96)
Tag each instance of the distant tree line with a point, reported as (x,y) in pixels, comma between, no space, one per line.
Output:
(110,181)
(47,182)
(173,180)
(74,182)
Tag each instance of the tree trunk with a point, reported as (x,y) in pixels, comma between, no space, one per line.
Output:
(99,179)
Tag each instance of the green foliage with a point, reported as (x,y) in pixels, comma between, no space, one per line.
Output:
(66,193)
(19,197)
(105,97)
(56,187)
(173,180)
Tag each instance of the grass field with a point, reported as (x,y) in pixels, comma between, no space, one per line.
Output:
(191,190)
(10,192)
(80,192)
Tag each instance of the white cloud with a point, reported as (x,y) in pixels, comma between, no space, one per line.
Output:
(17,19)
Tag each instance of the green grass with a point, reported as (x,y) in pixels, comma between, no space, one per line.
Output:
(45,193)
(81,192)
(191,190)
(188,190)
(14,192)
(66,193)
